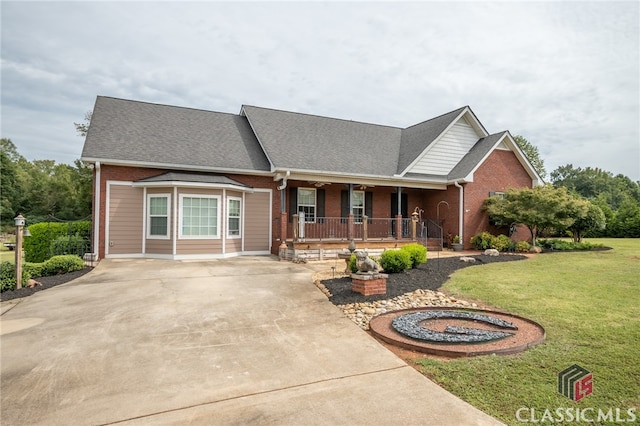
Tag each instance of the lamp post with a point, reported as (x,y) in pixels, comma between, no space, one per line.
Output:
(19,220)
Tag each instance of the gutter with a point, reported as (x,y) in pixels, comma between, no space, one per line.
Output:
(96,213)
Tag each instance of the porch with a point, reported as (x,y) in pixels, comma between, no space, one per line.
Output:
(326,237)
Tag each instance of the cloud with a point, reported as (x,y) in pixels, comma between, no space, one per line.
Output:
(563,74)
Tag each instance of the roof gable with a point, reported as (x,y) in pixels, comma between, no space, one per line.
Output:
(141,133)
(482,149)
(454,134)
(294,141)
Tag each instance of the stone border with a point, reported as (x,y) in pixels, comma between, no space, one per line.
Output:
(529,334)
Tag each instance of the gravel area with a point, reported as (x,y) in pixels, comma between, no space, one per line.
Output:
(46,282)
(428,276)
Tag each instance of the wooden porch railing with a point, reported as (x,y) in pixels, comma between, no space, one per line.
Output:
(341,228)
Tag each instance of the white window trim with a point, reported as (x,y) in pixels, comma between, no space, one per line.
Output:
(364,209)
(229,236)
(181,218)
(148,216)
(315,204)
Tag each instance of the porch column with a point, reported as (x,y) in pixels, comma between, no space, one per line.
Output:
(283,215)
(296,227)
(350,227)
(399,214)
(365,227)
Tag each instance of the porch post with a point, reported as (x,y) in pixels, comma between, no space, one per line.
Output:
(296,228)
(365,227)
(350,226)
(399,214)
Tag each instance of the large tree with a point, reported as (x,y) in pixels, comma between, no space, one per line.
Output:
(532,153)
(541,208)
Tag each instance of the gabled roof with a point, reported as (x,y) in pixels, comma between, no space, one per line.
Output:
(314,143)
(140,133)
(268,141)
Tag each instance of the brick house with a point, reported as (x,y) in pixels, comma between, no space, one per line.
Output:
(181,183)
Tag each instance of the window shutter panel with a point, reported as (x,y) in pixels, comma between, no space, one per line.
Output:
(368,205)
(344,205)
(293,202)
(320,204)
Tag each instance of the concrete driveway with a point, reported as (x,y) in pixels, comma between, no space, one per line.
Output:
(238,341)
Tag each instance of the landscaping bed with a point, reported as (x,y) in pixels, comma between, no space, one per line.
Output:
(427,276)
(47,282)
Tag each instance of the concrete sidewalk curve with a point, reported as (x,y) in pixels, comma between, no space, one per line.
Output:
(247,340)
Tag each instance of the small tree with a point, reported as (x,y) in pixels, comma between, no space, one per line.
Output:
(591,219)
(541,208)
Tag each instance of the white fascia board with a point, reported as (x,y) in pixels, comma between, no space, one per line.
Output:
(173,166)
(477,126)
(184,184)
(314,175)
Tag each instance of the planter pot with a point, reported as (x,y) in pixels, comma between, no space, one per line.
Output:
(457,246)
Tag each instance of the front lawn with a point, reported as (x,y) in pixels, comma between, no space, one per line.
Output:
(589,304)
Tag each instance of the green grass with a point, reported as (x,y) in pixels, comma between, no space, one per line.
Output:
(6,255)
(589,305)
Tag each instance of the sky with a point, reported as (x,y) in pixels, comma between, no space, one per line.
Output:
(563,74)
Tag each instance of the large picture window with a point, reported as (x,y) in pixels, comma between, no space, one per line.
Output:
(307,203)
(234,212)
(200,216)
(158,216)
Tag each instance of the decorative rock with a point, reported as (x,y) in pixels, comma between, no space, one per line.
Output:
(467,259)
(492,252)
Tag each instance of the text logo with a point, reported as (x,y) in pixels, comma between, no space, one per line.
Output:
(575,382)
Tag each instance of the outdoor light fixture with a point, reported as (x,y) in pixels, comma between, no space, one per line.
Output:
(20,221)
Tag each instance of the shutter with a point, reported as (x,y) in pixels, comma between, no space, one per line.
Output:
(320,205)
(293,202)
(344,205)
(368,205)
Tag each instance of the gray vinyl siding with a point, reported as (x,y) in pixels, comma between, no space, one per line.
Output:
(257,220)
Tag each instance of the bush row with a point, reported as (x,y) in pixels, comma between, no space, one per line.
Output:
(394,261)
(54,266)
(52,238)
(562,245)
(485,240)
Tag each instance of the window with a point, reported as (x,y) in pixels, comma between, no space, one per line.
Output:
(158,216)
(358,206)
(233,217)
(200,218)
(307,203)
(499,195)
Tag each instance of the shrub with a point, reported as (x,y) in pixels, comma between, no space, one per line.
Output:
(8,276)
(38,246)
(522,247)
(394,261)
(35,269)
(482,241)
(500,243)
(561,245)
(417,253)
(69,244)
(62,264)
(353,266)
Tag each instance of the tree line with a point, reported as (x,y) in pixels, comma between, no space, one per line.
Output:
(39,188)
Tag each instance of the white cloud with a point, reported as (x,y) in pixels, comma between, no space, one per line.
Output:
(564,75)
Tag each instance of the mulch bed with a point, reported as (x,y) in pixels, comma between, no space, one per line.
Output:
(47,282)
(428,276)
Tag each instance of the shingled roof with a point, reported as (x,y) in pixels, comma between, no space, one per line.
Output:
(264,141)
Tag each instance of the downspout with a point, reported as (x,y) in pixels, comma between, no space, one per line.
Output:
(283,203)
(460,211)
(96,213)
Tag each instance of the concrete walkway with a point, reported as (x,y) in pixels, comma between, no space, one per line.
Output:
(238,341)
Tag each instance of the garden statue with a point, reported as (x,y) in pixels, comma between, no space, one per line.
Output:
(365,264)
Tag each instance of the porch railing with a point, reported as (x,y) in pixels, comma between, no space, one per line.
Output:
(340,228)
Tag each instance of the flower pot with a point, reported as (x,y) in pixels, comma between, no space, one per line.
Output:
(457,246)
